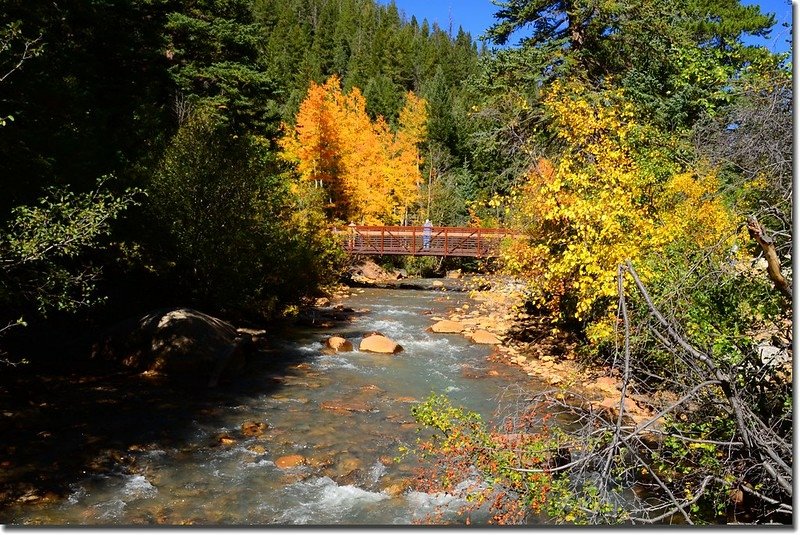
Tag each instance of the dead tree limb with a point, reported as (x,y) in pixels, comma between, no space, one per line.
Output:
(754,442)
(767,244)
(722,377)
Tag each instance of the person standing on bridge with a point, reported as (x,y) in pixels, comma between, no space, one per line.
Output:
(427,229)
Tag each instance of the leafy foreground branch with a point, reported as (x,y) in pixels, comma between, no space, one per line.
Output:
(713,451)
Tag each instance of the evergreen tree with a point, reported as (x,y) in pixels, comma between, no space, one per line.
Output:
(214,55)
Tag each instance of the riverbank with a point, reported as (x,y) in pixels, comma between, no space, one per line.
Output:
(546,354)
(497,318)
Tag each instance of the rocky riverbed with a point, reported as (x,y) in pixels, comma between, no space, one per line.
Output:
(117,448)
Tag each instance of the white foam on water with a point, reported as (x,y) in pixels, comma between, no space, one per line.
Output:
(322,501)
(452,389)
(237,450)
(423,503)
(396,311)
(327,362)
(439,346)
(259,464)
(429,501)
(391,328)
(314,347)
(376,471)
(137,486)
(76,495)
(109,510)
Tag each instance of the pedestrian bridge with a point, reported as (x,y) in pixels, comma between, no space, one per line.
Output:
(415,241)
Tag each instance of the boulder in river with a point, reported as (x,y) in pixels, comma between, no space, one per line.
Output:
(254,429)
(368,272)
(338,344)
(446,326)
(483,337)
(377,343)
(183,344)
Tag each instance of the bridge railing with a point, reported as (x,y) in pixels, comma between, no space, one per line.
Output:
(422,241)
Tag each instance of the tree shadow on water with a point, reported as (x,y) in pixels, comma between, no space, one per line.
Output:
(60,426)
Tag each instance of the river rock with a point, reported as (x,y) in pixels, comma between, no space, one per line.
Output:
(483,337)
(607,385)
(226,440)
(342,406)
(469,372)
(369,272)
(379,344)
(258,336)
(397,488)
(339,344)
(353,477)
(254,429)
(446,326)
(290,461)
(179,343)
(612,403)
(454,274)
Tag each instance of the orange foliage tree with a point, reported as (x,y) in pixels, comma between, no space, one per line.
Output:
(370,174)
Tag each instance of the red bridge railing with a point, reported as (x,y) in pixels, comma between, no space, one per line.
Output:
(416,241)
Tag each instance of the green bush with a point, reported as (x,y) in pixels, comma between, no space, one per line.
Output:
(229,227)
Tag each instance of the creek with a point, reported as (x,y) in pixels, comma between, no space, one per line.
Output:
(345,415)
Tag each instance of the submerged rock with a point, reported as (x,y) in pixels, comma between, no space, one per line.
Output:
(342,406)
(226,440)
(338,344)
(446,326)
(290,461)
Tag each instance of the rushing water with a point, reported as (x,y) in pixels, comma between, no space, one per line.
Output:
(346,414)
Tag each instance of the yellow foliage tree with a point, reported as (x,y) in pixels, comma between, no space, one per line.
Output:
(405,178)
(596,205)
(371,174)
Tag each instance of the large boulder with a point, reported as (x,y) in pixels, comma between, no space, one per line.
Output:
(446,326)
(453,274)
(377,343)
(182,344)
(368,272)
(483,337)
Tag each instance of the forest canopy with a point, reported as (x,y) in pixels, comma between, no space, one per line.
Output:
(169,152)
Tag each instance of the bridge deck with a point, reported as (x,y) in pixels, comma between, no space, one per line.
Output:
(415,241)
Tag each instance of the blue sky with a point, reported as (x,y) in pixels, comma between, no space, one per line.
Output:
(475,16)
